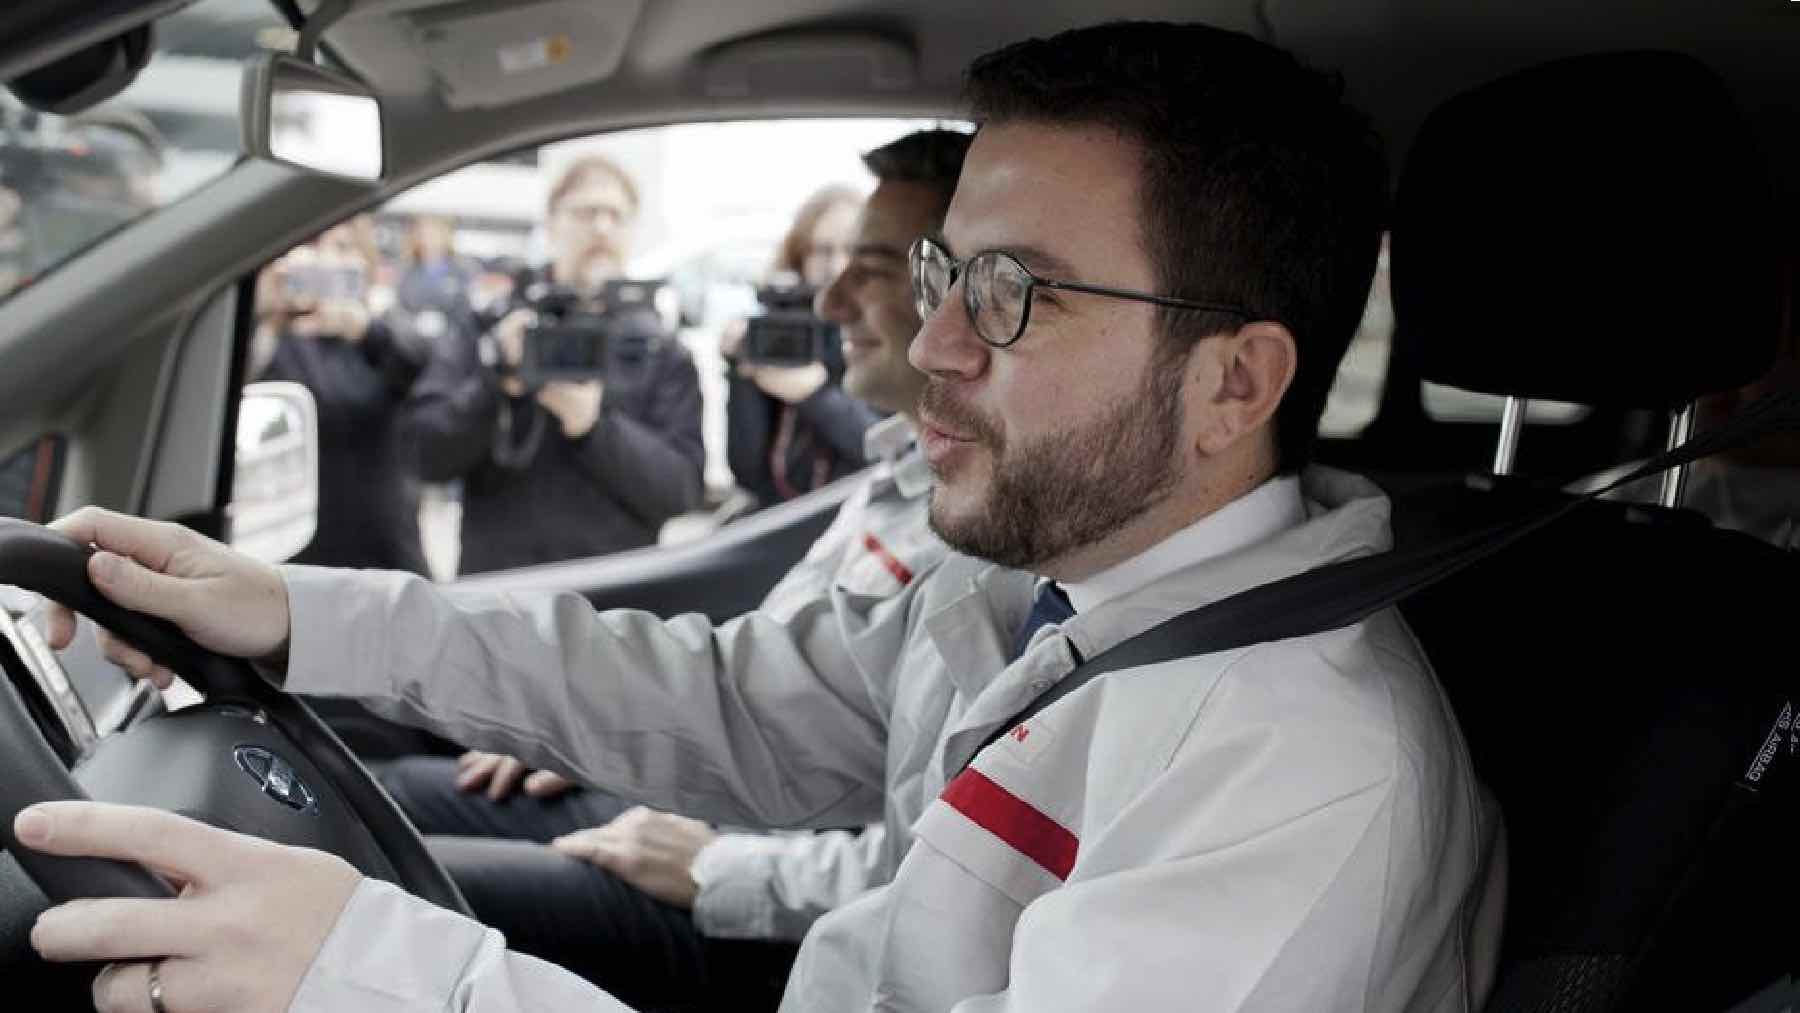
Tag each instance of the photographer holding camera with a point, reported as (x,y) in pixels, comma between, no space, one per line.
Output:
(790,426)
(314,327)
(575,419)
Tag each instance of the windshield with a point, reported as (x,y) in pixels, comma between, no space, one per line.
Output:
(66,182)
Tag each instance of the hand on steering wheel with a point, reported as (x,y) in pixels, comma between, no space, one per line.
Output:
(250,918)
(222,600)
(255,759)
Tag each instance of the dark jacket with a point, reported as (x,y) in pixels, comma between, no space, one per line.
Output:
(368,492)
(532,495)
(441,285)
(778,451)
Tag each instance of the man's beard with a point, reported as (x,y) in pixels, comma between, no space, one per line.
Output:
(1071,488)
(601,259)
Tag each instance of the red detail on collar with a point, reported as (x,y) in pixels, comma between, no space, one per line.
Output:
(900,570)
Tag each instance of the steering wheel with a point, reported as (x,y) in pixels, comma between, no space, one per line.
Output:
(250,758)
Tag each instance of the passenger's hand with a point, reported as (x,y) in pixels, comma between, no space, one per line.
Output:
(575,405)
(222,600)
(546,784)
(788,384)
(500,774)
(653,851)
(249,921)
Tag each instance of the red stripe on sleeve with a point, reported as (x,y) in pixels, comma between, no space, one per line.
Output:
(888,559)
(1013,820)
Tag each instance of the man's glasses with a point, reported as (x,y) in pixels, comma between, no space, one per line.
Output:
(997,290)
(593,215)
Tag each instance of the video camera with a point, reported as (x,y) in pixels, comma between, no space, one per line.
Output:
(569,340)
(787,333)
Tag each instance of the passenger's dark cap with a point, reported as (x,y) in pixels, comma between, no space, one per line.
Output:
(1599,229)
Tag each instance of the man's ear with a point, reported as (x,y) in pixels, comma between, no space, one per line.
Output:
(1244,377)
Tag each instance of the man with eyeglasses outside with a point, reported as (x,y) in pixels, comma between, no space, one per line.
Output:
(568,469)
(1160,244)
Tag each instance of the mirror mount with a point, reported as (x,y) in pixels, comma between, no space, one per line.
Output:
(324,16)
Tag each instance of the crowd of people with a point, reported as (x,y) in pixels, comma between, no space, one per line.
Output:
(425,376)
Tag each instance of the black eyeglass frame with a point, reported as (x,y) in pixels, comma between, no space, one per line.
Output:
(916,255)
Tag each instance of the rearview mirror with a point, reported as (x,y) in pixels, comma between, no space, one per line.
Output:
(274,509)
(310,118)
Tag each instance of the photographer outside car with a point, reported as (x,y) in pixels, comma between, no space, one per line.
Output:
(315,327)
(575,419)
(790,426)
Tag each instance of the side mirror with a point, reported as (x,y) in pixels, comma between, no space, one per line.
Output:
(274,509)
(310,118)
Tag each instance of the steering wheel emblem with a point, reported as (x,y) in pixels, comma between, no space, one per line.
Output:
(276,777)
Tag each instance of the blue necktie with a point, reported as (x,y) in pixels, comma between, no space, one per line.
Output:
(1050,606)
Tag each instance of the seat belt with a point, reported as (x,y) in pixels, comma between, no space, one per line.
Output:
(1340,594)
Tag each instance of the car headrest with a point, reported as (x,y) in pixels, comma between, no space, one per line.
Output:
(1599,230)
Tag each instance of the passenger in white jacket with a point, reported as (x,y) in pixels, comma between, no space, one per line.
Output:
(1159,246)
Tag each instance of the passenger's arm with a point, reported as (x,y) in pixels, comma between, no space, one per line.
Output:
(755,886)
(760,722)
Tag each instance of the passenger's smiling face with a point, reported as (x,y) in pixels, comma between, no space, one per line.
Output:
(871,298)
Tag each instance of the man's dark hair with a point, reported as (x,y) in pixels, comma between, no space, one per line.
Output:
(1261,187)
(933,158)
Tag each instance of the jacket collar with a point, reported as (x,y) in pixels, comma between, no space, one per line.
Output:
(894,442)
(1258,515)
(1345,516)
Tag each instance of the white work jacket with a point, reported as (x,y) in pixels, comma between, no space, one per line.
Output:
(1289,826)
(774,886)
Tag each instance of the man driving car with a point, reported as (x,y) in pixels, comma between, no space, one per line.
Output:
(1160,243)
(656,907)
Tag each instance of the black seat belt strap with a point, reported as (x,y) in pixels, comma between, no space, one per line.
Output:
(1340,594)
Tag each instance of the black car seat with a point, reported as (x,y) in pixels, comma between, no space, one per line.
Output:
(1600,230)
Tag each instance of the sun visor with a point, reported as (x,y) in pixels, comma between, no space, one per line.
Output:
(495,58)
(810,62)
